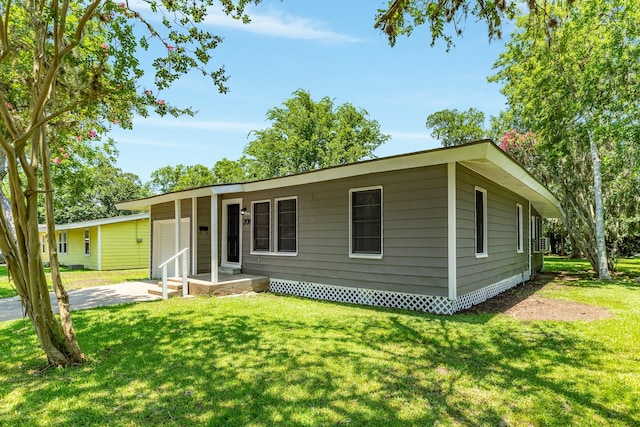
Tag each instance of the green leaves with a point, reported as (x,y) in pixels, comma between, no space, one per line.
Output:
(453,127)
(307,135)
(444,18)
(575,83)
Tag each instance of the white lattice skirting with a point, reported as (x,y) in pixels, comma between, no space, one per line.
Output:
(427,303)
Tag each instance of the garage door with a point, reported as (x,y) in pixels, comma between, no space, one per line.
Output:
(164,246)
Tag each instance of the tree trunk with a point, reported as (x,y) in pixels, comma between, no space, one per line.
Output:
(71,339)
(603,267)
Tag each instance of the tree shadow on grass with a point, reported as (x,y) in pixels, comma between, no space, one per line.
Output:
(271,360)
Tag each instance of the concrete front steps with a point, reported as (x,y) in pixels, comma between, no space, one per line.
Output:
(174,287)
(226,285)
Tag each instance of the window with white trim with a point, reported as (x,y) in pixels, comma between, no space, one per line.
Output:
(536,232)
(519,238)
(365,217)
(261,230)
(87,242)
(62,242)
(481,222)
(287,225)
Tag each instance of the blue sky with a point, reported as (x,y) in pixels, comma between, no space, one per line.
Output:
(329,48)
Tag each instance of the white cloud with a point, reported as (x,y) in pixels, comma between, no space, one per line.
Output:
(411,135)
(274,24)
(278,24)
(211,125)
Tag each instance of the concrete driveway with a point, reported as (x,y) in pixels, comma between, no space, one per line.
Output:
(11,308)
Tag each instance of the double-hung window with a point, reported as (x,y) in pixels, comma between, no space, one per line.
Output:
(536,232)
(62,242)
(87,242)
(519,238)
(481,222)
(365,222)
(261,231)
(287,225)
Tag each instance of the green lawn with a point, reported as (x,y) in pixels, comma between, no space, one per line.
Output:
(629,266)
(77,279)
(272,360)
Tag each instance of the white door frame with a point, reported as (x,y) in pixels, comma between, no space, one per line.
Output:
(225,231)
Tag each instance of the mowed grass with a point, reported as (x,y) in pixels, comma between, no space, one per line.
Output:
(630,266)
(77,279)
(274,360)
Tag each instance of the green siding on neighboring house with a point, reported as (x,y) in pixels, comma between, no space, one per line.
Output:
(113,246)
(75,251)
(120,246)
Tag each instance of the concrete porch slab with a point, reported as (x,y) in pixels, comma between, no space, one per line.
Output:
(227,284)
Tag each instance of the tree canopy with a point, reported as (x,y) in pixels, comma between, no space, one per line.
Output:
(307,135)
(453,127)
(447,18)
(69,70)
(577,86)
(444,18)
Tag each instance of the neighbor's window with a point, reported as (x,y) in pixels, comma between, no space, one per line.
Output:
(286,227)
(481,222)
(519,238)
(62,242)
(366,222)
(87,242)
(44,243)
(261,226)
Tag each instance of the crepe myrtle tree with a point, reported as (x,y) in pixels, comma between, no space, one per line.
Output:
(69,70)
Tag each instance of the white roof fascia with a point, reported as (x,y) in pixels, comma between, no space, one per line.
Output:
(406,161)
(145,204)
(519,180)
(96,222)
(228,188)
(484,158)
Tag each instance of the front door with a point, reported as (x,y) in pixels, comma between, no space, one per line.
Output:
(233,233)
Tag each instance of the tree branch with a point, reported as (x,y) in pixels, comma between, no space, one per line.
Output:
(4,31)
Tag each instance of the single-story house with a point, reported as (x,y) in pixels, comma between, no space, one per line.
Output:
(116,243)
(437,230)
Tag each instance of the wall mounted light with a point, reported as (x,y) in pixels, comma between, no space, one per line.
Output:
(243,211)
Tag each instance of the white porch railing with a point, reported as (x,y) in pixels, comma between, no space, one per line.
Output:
(185,268)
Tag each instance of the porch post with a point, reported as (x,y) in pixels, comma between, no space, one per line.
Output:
(452,252)
(178,217)
(214,238)
(194,235)
(528,240)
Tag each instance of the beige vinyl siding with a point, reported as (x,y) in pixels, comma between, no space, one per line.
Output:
(120,246)
(503,260)
(414,234)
